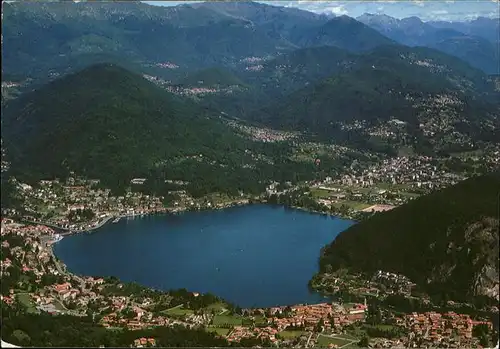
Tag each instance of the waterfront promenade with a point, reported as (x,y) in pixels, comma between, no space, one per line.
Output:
(66,231)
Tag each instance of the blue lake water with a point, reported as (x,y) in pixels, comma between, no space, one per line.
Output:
(255,255)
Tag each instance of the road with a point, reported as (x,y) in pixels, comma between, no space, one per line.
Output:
(177,306)
(46,224)
(65,231)
(63,272)
(309,339)
(351,341)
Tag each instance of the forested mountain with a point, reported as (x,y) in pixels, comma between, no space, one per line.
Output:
(296,69)
(446,242)
(65,36)
(277,21)
(106,122)
(457,40)
(346,33)
(271,79)
(59,37)
(397,82)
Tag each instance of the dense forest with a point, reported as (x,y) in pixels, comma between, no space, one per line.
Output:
(446,242)
(108,123)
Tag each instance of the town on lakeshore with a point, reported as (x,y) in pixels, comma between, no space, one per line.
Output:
(79,204)
(34,278)
(365,312)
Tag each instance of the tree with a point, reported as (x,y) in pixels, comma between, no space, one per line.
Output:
(319,325)
(364,342)
(483,340)
(21,337)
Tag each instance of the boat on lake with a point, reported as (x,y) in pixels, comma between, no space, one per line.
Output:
(57,238)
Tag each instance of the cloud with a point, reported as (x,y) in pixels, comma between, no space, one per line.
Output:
(337,10)
(426,10)
(439,12)
(335,7)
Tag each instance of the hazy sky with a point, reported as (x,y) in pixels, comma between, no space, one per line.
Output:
(426,9)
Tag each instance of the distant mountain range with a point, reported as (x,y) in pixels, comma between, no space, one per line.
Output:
(58,37)
(446,242)
(360,82)
(487,28)
(475,42)
(64,36)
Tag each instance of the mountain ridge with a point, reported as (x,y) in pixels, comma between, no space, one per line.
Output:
(391,82)
(427,240)
(467,45)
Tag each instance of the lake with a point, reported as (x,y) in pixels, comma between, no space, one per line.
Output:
(256,255)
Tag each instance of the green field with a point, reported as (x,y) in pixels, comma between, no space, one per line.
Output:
(25,300)
(323,341)
(220,331)
(217,307)
(382,327)
(58,305)
(320,193)
(232,320)
(291,334)
(178,311)
(348,336)
(409,195)
(259,320)
(405,151)
(355,205)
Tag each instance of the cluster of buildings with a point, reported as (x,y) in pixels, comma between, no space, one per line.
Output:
(307,318)
(254,59)
(254,63)
(57,200)
(191,91)
(167,65)
(389,130)
(397,283)
(448,329)
(442,123)
(330,316)
(417,172)
(381,284)
(263,134)
(240,332)
(257,67)
(7,84)
(144,342)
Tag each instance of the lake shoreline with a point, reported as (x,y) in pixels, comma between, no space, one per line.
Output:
(173,211)
(242,250)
